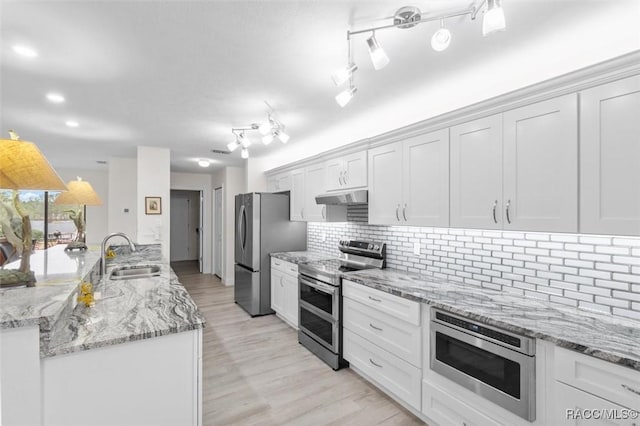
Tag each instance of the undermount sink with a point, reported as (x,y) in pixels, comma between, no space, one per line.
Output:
(132,272)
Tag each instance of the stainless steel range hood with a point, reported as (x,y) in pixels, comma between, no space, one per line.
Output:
(344,198)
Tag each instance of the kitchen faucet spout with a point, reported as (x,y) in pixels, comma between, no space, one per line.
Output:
(103,261)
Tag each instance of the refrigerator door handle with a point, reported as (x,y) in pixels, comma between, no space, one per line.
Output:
(241,217)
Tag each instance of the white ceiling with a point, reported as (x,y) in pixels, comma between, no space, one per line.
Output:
(180,74)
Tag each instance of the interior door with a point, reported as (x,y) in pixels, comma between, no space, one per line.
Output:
(385,184)
(180,235)
(425,185)
(541,166)
(218,232)
(476,174)
(200,230)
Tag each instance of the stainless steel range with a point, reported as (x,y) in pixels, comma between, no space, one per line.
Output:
(321,297)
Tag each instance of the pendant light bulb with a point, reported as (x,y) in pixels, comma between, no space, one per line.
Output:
(343,74)
(378,55)
(244,153)
(344,97)
(267,139)
(441,38)
(244,140)
(284,138)
(493,19)
(265,128)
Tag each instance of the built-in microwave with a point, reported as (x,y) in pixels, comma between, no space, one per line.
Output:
(494,363)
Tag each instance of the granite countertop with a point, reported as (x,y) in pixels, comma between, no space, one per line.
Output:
(126,310)
(306,256)
(612,339)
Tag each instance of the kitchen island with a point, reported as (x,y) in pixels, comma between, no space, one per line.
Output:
(133,358)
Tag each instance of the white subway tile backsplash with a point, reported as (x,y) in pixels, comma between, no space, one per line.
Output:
(592,272)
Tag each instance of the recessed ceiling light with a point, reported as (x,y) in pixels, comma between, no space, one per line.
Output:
(56,98)
(25,51)
(204,163)
(71,123)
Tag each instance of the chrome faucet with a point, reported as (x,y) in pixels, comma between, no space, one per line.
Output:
(103,261)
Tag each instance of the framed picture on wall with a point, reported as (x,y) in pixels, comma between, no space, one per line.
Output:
(153,205)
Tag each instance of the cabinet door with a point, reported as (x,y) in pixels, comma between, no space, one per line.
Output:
(272,184)
(385,184)
(335,171)
(314,185)
(277,290)
(297,195)
(425,179)
(610,158)
(476,174)
(572,405)
(541,166)
(355,170)
(291,299)
(283,182)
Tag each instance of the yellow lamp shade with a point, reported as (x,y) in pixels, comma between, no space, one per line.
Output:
(80,192)
(23,166)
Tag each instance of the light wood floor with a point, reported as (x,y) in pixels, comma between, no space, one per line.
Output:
(256,373)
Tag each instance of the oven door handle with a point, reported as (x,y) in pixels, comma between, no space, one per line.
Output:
(326,288)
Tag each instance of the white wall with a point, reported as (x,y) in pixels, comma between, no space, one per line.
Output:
(97,216)
(122,195)
(154,180)
(200,182)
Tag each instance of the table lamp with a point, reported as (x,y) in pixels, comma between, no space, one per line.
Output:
(23,166)
(80,193)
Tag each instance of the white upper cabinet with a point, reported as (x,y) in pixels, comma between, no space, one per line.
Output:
(610,158)
(279,182)
(425,179)
(409,181)
(385,184)
(476,174)
(347,172)
(315,183)
(297,195)
(540,172)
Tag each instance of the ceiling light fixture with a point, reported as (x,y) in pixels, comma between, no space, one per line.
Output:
(378,56)
(244,153)
(71,123)
(204,163)
(233,145)
(441,38)
(25,51)
(267,139)
(493,19)
(284,138)
(269,130)
(56,98)
(244,140)
(408,17)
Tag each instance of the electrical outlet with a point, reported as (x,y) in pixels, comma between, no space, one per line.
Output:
(416,248)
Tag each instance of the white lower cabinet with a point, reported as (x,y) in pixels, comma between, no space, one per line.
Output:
(448,410)
(284,290)
(392,373)
(575,407)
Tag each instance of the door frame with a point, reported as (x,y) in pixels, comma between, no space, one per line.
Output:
(221,231)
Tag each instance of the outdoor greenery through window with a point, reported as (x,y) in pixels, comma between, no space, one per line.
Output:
(61,230)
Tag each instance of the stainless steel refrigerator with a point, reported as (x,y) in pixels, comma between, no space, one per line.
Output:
(262,227)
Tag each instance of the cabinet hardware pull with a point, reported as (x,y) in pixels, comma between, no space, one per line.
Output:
(630,389)
(374,299)
(404,212)
(495,205)
(340,179)
(397,216)
(374,363)
(323,212)
(345,177)
(374,327)
(277,263)
(508,205)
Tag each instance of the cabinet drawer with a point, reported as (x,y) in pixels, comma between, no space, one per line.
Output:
(395,336)
(397,376)
(575,407)
(398,307)
(284,266)
(615,383)
(448,410)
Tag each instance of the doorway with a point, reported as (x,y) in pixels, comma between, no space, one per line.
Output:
(186,235)
(217,232)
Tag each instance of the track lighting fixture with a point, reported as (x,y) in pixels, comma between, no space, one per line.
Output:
(270,129)
(441,38)
(408,17)
(493,19)
(378,56)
